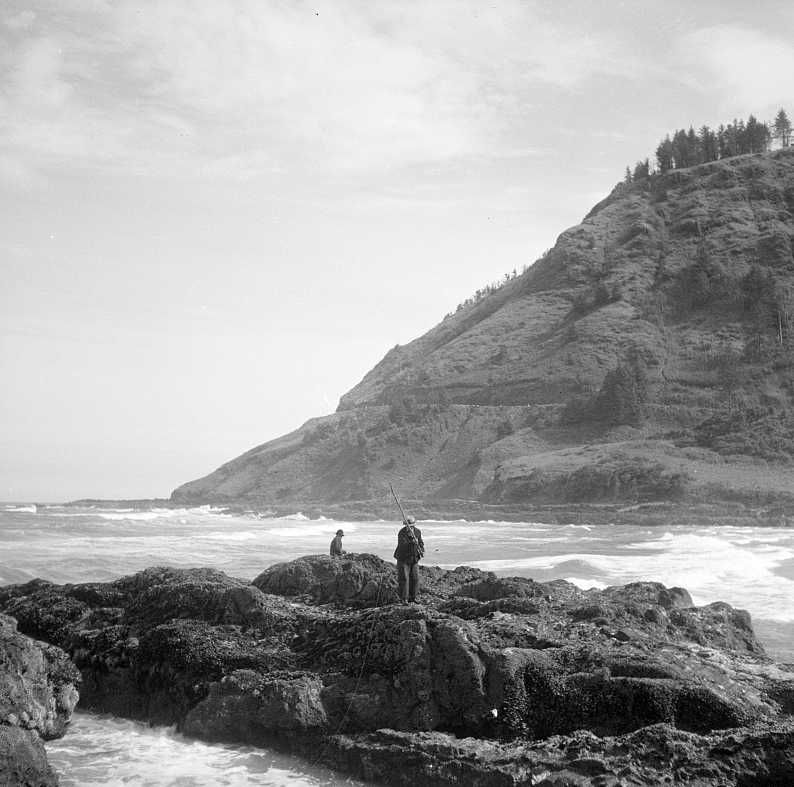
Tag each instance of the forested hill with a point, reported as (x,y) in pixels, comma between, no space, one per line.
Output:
(647,356)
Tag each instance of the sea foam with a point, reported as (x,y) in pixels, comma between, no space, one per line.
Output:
(102,751)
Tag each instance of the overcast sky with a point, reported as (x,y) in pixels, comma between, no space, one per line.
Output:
(215,217)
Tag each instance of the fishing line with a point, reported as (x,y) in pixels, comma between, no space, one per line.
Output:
(344,718)
(370,636)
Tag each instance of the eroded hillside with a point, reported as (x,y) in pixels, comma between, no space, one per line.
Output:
(647,356)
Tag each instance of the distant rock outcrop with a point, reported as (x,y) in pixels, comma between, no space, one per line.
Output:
(491,680)
(646,357)
(37,696)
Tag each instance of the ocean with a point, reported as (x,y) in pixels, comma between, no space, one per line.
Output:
(749,567)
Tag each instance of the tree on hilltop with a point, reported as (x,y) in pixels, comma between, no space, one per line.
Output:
(642,170)
(682,154)
(664,154)
(730,140)
(693,147)
(722,141)
(758,136)
(782,128)
(687,148)
(708,144)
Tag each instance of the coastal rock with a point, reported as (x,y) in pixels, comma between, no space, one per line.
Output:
(358,580)
(43,610)
(23,760)
(38,692)
(248,706)
(413,669)
(654,756)
(315,653)
(37,683)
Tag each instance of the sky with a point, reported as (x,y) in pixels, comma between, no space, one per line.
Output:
(216,217)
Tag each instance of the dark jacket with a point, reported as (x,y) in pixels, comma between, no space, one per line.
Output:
(336,546)
(409,548)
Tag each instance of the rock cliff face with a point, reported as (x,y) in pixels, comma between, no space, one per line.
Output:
(497,681)
(646,357)
(37,696)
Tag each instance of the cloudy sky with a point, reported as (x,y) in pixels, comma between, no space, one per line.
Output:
(216,216)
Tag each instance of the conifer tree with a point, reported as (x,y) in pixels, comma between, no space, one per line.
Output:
(681,153)
(732,147)
(756,136)
(642,170)
(693,147)
(722,136)
(782,128)
(664,154)
(708,144)
(741,138)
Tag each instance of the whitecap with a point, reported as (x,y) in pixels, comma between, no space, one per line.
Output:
(311,530)
(148,515)
(510,523)
(586,584)
(240,535)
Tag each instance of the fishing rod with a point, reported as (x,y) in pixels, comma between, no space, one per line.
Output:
(397,500)
(405,519)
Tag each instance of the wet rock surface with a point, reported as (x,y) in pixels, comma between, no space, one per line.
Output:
(762,756)
(38,692)
(23,761)
(490,680)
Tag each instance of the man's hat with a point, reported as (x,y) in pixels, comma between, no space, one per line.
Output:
(409,520)
(340,532)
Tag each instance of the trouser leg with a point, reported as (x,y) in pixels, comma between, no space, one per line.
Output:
(413,585)
(402,580)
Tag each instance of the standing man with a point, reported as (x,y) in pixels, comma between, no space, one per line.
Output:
(410,549)
(336,544)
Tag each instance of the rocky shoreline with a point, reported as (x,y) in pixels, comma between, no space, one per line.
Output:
(501,681)
(654,514)
(37,696)
(769,513)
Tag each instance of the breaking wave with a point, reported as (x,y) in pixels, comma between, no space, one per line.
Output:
(585,584)
(103,751)
(136,514)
